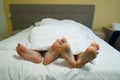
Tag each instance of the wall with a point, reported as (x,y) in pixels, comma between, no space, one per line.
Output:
(106,12)
(3,24)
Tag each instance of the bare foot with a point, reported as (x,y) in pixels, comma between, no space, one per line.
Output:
(66,53)
(89,54)
(28,54)
(53,52)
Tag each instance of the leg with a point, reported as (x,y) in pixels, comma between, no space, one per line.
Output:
(28,54)
(89,54)
(52,53)
(59,47)
(66,53)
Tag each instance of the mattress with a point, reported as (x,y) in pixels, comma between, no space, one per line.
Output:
(13,67)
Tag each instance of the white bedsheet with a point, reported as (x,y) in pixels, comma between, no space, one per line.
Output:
(12,67)
(12,41)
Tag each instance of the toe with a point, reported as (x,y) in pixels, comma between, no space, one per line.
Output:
(95,45)
(64,40)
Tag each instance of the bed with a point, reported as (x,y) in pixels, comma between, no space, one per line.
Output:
(34,19)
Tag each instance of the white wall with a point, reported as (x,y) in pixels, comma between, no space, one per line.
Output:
(3,24)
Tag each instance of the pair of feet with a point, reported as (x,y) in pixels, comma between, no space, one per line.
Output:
(59,47)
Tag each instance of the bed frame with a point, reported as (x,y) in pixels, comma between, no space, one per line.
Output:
(24,15)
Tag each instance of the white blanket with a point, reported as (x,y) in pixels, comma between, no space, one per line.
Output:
(44,36)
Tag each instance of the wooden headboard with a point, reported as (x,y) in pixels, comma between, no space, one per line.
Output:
(24,15)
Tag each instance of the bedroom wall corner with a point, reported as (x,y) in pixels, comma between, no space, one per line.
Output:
(3,24)
(106,13)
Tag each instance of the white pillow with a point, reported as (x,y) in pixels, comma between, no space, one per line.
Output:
(116,26)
